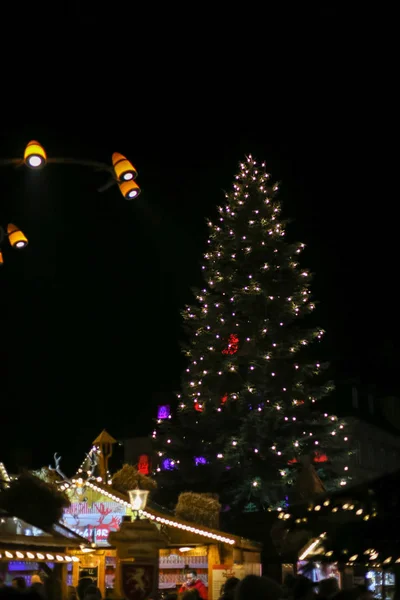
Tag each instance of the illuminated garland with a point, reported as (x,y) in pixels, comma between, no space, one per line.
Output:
(13,554)
(170,522)
(316,550)
(4,474)
(357,507)
(249,350)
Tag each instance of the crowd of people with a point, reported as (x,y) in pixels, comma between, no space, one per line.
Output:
(254,587)
(19,586)
(40,589)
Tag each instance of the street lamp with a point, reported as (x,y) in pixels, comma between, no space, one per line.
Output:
(35,155)
(138,500)
(129,189)
(121,172)
(123,169)
(15,236)
(137,544)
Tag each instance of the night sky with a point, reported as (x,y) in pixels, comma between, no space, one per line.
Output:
(90,310)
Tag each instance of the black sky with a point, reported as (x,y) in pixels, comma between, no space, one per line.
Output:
(90,310)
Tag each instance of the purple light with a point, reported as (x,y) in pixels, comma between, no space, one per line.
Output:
(168,464)
(200,460)
(15,565)
(164,411)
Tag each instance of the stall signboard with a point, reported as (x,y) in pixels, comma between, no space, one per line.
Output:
(220,573)
(94,521)
(138,581)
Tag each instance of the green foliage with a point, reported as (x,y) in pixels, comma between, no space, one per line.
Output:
(251,390)
(129,478)
(250,507)
(35,501)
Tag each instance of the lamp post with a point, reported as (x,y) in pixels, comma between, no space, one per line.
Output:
(137,544)
(121,172)
(138,500)
(16,238)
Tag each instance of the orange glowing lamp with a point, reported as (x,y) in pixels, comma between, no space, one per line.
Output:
(16,237)
(123,168)
(35,155)
(129,189)
(1,259)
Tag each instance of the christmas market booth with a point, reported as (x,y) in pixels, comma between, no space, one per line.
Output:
(353,534)
(138,541)
(26,549)
(282,554)
(212,553)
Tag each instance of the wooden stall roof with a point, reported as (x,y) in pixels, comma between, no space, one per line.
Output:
(60,536)
(46,545)
(4,476)
(375,496)
(179,530)
(358,524)
(372,543)
(104,438)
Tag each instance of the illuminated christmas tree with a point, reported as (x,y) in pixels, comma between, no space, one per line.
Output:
(248,412)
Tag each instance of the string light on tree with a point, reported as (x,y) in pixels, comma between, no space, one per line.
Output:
(253,378)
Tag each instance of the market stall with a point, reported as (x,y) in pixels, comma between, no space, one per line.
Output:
(97,510)
(26,550)
(352,532)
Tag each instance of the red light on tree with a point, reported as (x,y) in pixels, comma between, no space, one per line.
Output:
(198,407)
(144,464)
(320,457)
(224,398)
(233,345)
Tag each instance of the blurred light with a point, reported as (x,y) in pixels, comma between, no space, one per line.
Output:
(1,258)
(138,499)
(35,155)
(15,236)
(129,189)
(123,169)
(164,411)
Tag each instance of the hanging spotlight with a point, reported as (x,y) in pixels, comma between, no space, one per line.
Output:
(35,155)
(15,236)
(123,169)
(129,189)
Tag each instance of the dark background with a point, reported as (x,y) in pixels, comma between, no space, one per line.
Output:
(89,312)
